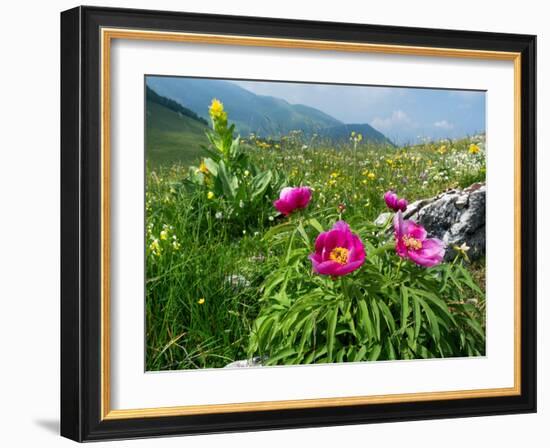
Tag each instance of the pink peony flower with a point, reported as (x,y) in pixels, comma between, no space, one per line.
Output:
(338,251)
(292,198)
(395,203)
(411,243)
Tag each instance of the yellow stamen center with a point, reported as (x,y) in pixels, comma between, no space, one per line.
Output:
(412,243)
(339,255)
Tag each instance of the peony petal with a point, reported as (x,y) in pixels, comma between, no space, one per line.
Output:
(315,257)
(402,204)
(282,206)
(335,238)
(320,242)
(401,249)
(304,196)
(292,198)
(391,199)
(357,250)
(432,253)
(432,247)
(342,226)
(394,202)
(326,267)
(344,269)
(426,262)
(398,225)
(315,260)
(285,192)
(415,230)
(339,236)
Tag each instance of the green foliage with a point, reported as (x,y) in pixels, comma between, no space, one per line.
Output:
(388,309)
(234,185)
(226,281)
(359,173)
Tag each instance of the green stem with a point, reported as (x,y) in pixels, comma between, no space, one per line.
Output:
(345,287)
(398,267)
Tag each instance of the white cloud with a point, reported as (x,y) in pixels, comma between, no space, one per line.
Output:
(443,124)
(397,119)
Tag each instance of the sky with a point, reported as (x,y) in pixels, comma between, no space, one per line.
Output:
(404,115)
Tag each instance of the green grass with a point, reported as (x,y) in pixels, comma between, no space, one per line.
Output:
(201,262)
(203,281)
(172,138)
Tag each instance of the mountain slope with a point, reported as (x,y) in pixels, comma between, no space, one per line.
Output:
(174,106)
(264,115)
(172,137)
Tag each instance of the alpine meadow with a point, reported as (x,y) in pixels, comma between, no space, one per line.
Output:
(299,223)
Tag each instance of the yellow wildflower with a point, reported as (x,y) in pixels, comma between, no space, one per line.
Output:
(216,109)
(164,235)
(202,168)
(210,195)
(155,247)
(359,137)
(474,149)
(201,301)
(371,176)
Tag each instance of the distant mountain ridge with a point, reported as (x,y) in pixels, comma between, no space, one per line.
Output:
(265,116)
(343,131)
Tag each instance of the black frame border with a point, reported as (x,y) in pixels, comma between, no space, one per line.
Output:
(81,223)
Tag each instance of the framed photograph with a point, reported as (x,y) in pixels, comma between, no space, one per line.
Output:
(277,224)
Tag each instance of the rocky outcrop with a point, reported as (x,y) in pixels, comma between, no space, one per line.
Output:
(258,361)
(457,217)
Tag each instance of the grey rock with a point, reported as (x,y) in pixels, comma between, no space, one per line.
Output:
(462,201)
(237,281)
(382,219)
(455,216)
(244,363)
(260,258)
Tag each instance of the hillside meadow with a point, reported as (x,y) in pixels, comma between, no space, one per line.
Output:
(229,277)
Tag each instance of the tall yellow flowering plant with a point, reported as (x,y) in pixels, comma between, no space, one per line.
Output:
(233,185)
